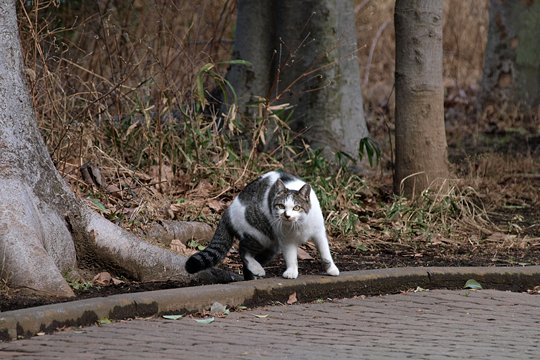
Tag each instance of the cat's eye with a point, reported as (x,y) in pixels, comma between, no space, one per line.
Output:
(297,208)
(280,206)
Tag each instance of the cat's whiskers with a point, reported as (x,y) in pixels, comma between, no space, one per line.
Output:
(277,223)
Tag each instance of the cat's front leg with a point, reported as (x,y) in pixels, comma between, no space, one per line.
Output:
(321,242)
(290,254)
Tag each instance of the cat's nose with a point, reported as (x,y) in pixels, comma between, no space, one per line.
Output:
(287,216)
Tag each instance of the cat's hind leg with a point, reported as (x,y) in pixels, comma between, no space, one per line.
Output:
(251,267)
(254,266)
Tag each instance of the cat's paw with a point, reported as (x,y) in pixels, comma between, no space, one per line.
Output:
(291,273)
(257,270)
(332,270)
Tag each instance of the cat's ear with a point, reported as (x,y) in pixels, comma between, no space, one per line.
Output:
(280,186)
(305,191)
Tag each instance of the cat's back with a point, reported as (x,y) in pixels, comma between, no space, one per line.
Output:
(259,190)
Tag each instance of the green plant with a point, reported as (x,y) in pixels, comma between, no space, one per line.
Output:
(78,284)
(369,148)
(208,72)
(436,213)
(194,244)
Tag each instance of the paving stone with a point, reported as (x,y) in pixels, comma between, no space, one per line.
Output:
(437,324)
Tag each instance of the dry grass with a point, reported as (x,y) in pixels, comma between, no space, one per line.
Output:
(114,84)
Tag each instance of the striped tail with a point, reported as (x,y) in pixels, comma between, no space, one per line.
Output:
(216,250)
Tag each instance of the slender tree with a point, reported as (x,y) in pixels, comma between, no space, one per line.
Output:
(45,231)
(421,150)
(303,53)
(512,57)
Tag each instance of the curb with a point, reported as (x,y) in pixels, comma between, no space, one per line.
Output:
(28,322)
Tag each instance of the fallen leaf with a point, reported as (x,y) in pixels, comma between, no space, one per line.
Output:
(208,320)
(103,278)
(202,189)
(216,205)
(104,321)
(303,254)
(173,317)
(219,309)
(116,281)
(261,316)
(472,284)
(179,247)
(98,205)
(292,298)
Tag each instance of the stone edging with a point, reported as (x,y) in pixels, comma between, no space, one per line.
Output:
(47,318)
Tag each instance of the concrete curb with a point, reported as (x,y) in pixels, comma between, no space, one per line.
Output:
(28,322)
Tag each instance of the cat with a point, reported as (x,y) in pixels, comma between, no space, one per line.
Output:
(275,213)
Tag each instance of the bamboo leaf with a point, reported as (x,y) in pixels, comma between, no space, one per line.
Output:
(173,317)
(472,284)
(206,321)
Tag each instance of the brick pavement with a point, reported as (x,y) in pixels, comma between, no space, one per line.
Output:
(437,324)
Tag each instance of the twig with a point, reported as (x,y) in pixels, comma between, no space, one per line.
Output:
(372,49)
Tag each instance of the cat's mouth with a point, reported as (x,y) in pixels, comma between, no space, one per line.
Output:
(288,219)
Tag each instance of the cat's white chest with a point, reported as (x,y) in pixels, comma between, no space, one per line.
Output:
(293,234)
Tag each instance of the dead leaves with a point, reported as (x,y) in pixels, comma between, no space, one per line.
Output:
(199,201)
(180,248)
(105,279)
(292,298)
(303,254)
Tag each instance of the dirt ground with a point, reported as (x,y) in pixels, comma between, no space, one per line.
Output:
(518,215)
(516,212)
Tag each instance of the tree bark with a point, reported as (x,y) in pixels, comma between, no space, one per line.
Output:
(253,42)
(421,150)
(304,54)
(512,57)
(44,229)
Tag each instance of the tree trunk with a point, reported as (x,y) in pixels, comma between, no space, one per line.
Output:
(421,150)
(253,42)
(512,57)
(311,45)
(44,229)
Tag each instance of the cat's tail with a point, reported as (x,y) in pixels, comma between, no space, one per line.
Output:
(216,250)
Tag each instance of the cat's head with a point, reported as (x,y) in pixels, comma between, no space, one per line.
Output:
(291,206)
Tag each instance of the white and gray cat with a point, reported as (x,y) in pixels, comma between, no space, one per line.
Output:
(275,213)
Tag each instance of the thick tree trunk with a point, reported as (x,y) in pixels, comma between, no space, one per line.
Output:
(253,42)
(512,57)
(421,150)
(44,228)
(320,73)
(304,53)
